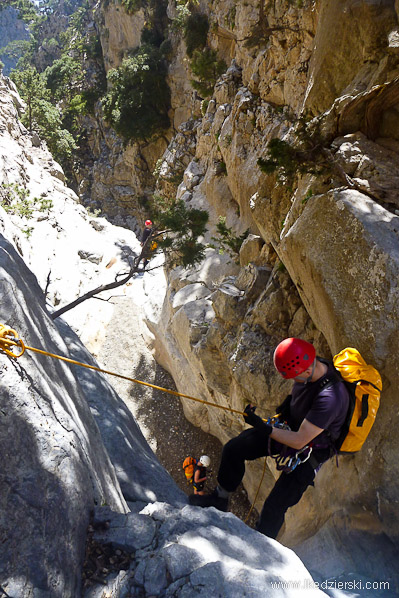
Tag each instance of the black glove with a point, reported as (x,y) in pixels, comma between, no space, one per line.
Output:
(256,421)
(284,409)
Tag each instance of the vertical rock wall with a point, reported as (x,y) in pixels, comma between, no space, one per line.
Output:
(325,262)
(55,468)
(322,263)
(67,441)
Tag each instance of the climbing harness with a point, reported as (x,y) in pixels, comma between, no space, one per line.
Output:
(287,462)
(287,459)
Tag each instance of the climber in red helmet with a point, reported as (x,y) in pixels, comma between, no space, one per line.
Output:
(148,230)
(301,439)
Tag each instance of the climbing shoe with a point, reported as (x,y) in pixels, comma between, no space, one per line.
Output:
(209,500)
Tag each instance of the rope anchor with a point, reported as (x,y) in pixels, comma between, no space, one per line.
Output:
(10,338)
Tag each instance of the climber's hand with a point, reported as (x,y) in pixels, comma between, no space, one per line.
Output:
(255,421)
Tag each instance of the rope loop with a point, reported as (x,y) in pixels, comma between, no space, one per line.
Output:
(10,338)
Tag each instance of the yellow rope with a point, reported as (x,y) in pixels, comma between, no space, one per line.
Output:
(9,338)
(257,492)
(6,343)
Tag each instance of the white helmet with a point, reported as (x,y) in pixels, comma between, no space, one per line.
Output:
(205,460)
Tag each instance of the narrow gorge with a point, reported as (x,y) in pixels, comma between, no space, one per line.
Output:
(278,119)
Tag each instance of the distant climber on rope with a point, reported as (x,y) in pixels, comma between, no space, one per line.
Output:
(146,233)
(310,420)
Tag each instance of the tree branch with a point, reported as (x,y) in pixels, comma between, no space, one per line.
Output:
(89,294)
(190,226)
(106,287)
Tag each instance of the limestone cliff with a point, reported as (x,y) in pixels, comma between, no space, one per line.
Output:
(11,29)
(86,508)
(321,259)
(323,262)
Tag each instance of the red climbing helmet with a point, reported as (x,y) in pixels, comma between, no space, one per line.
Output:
(148,223)
(293,356)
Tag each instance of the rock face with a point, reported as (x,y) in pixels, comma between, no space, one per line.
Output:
(324,265)
(198,553)
(142,480)
(121,30)
(321,262)
(11,28)
(77,475)
(77,261)
(117,174)
(313,236)
(58,467)
(55,465)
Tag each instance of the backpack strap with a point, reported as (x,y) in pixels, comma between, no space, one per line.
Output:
(325,381)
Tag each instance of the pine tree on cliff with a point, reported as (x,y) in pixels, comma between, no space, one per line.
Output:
(177,233)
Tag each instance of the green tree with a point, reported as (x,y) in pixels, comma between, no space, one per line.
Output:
(32,87)
(138,102)
(57,97)
(41,116)
(181,229)
(196,27)
(63,76)
(51,6)
(207,69)
(27,9)
(60,141)
(227,239)
(15,49)
(132,6)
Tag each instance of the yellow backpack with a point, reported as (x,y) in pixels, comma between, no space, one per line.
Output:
(189,464)
(364,384)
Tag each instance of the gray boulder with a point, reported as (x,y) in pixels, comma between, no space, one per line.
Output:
(203,552)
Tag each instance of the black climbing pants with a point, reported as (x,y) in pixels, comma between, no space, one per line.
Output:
(288,489)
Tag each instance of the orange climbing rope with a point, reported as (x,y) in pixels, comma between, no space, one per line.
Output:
(257,492)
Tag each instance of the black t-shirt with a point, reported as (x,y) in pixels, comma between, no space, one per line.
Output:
(326,410)
(146,234)
(202,473)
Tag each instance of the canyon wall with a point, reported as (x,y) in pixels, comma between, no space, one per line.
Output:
(321,259)
(86,509)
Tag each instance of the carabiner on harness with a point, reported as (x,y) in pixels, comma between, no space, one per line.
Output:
(276,423)
(287,462)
